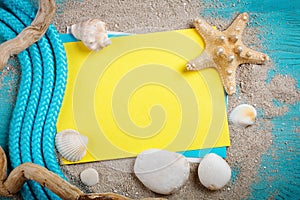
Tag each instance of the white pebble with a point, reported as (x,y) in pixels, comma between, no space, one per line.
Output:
(161,171)
(214,172)
(89,177)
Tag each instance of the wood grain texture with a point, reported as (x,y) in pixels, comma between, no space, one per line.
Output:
(30,34)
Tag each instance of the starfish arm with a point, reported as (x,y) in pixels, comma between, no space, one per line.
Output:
(207,32)
(225,51)
(228,80)
(253,57)
(237,27)
(201,62)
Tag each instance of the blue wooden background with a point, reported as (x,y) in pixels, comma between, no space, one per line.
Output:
(282,40)
(280,25)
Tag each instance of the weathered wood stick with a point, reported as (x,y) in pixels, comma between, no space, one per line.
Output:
(29,171)
(30,34)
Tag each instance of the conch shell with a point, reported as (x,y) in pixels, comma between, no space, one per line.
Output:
(71,145)
(93,33)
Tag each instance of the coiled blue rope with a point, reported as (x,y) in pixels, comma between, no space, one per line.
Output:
(22,99)
(33,99)
(43,81)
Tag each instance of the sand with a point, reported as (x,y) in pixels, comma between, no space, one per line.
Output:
(247,144)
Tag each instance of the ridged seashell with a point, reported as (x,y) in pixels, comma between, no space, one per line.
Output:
(71,145)
(93,33)
(243,115)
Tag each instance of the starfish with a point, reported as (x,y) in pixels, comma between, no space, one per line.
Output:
(225,51)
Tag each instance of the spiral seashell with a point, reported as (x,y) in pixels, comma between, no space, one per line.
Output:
(71,145)
(93,33)
(243,115)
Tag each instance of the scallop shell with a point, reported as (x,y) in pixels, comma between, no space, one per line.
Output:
(93,33)
(243,115)
(71,145)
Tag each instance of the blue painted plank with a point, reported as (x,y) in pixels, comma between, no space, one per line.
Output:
(279,174)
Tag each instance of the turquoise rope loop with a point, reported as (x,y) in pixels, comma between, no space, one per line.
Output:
(57,99)
(60,85)
(47,92)
(19,110)
(30,114)
(25,130)
(43,82)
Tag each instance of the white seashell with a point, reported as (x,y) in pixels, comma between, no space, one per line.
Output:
(89,177)
(162,171)
(243,115)
(214,172)
(93,33)
(71,145)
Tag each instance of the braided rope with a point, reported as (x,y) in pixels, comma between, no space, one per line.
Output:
(20,107)
(26,129)
(43,81)
(60,61)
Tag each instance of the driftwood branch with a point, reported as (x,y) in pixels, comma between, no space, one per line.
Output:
(30,34)
(29,171)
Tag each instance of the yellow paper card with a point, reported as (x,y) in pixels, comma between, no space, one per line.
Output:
(136,94)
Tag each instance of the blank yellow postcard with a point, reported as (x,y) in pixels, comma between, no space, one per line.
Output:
(136,94)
